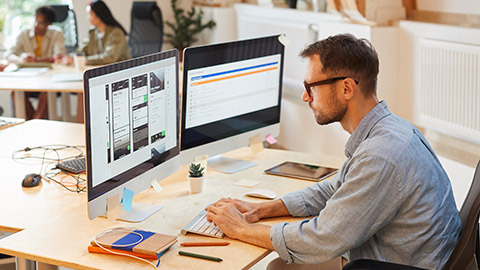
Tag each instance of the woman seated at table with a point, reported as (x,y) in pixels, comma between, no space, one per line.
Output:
(106,41)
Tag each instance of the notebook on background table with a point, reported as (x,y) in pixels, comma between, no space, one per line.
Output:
(6,122)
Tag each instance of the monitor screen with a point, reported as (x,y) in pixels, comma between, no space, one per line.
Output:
(230,91)
(131,120)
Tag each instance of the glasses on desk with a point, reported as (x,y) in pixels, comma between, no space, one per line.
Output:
(308,86)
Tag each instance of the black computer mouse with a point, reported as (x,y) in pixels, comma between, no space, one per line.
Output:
(31,180)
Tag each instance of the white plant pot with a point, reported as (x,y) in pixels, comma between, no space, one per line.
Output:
(196,184)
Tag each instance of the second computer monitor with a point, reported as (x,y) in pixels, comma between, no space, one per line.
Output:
(231,92)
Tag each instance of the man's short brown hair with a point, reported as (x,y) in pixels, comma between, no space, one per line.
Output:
(345,55)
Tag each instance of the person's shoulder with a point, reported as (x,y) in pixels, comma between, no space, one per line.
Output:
(54,29)
(389,138)
(25,32)
(116,30)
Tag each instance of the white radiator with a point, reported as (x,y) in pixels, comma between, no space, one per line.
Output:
(448,89)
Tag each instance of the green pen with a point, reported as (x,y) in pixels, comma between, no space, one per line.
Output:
(200,256)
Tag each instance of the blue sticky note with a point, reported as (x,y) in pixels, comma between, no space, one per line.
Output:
(127,199)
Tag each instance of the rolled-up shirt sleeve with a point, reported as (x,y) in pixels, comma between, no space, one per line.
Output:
(345,213)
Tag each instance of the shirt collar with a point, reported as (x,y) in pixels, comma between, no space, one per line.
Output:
(365,126)
(48,33)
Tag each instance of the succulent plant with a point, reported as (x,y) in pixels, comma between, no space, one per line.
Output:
(195,170)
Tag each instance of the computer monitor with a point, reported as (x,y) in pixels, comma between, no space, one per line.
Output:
(231,92)
(132,129)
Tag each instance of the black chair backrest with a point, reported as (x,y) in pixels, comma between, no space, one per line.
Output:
(65,19)
(146,29)
(465,254)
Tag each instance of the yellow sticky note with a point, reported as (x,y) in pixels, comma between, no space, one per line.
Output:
(113,208)
(283,39)
(256,144)
(156,185)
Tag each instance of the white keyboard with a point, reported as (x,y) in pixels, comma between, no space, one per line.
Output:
(200,225)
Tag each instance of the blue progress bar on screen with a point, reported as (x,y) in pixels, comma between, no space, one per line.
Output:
(231,71)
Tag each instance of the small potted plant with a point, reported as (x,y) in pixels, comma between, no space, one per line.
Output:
(195,177)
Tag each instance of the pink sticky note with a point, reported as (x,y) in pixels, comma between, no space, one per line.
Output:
(270,139)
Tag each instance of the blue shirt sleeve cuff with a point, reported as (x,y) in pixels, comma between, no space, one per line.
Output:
(295,204)
(278,242)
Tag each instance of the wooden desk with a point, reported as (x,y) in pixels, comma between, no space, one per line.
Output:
(43,83)
(62,239)
(21,207)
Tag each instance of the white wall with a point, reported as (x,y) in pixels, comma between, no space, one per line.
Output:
(121,11)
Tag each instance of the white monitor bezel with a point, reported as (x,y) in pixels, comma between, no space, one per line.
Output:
(170,163)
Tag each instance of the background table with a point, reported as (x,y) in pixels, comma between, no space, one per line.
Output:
(43,83)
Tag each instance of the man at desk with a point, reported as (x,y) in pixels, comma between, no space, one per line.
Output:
(42,43)
(390,201)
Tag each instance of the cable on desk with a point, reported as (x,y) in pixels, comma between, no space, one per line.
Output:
(46,148)
(78,186)
(80,183)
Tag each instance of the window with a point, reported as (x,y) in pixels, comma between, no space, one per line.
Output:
(17,15)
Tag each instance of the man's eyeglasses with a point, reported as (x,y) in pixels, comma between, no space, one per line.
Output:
(308,86)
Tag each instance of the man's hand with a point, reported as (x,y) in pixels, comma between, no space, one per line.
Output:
(249,210)
(27,57)
(45,59)
(228,218)
(59,59)
(230,215)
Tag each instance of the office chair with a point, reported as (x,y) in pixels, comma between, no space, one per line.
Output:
(66,20)
(146,29)
(465,256)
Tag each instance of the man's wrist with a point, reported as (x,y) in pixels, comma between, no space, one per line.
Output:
(271,209)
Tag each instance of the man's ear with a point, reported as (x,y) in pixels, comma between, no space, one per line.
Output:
(350,88)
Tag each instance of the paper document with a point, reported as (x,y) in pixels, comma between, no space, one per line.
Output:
(24,72)
(67,77)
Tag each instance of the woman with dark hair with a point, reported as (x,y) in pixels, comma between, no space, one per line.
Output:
(106,41)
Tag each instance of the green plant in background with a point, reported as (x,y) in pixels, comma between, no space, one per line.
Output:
(185,27)
(195,170)
(3,17)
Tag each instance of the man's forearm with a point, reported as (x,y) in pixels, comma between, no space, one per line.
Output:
(274,208)
(257,234)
